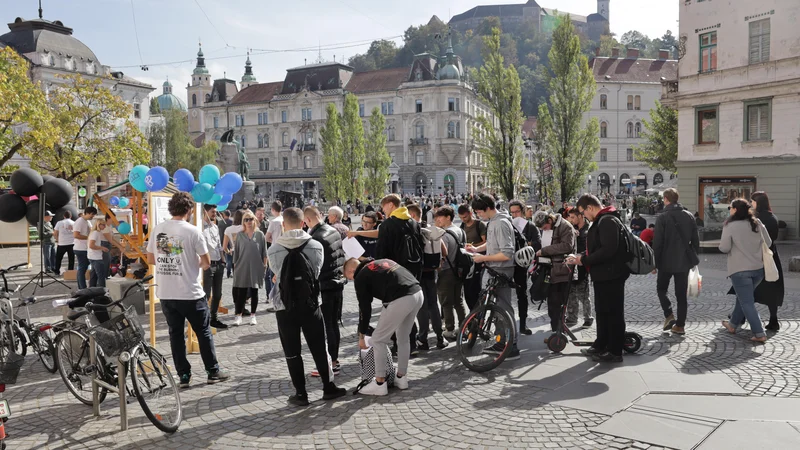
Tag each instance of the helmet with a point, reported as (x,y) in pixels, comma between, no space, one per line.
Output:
(524,256)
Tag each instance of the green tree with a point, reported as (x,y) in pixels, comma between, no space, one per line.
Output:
(26,122)
(178,152)
(635,39)
(572,144)
(352,160)
(333,179)
(155,108)
(660,148)
(156,139)
(98,134)
(376,156)
(501,145)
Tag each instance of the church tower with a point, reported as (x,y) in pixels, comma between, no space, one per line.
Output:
(248,78)
(602,8)
(197,94)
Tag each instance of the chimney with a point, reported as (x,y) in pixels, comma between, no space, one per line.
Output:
(615,52)
(633,53)
(597,51)
(663,54)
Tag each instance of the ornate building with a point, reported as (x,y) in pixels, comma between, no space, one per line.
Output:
(429,109)
(168,100)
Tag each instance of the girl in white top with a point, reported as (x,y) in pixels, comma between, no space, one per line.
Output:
(96,250)
(230,233)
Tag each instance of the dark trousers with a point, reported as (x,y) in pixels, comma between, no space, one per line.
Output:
(240,299)
(212,285)
(681,285)
(177,312)
(556,299)
(49,257)
(331,314)
(228,264)
(472,287)
(449,289)
(609,303)
(521,280)
(312,325)
(60,255)
(429,316)
(83,266)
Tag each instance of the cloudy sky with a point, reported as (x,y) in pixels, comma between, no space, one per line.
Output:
(168,30)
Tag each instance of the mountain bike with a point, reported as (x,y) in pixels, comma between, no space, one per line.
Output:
(487,335)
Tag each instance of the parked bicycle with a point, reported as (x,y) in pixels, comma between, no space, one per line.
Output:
(487,334)
(10,365)
(118,335)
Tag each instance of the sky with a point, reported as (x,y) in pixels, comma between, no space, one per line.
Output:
(169,30)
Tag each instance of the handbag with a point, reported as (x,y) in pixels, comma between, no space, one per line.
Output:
(695,282)
(770,269)
(366,361)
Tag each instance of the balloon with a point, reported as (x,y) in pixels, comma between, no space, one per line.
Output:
(113,201)
(209,174)
(221,208)
(184,180)
(59,213)
(32,212)
(12,208)
(137,177)
(26,182)
(124,202)
(214,200)
(47,178)
(202,192)
(230,183)
(156,179)
(124,228)
(225,199)
(58,192)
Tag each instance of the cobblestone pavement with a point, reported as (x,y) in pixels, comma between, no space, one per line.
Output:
(446,406)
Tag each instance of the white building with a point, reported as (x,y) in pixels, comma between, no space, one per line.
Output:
(738,108)
(627,88)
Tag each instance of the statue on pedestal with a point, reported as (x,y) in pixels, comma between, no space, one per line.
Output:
(233,162)
(244,165)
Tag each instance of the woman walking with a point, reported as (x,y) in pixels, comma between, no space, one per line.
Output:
(742,236)
(769,293)
(98,247)
(250,265)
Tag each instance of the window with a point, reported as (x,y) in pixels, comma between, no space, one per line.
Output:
(244,141)
(629,128)
(629,154)
(390,133)
(261,164)
(707,125)
(284,115)
(194,99)
(137,110)
(603,101)
(208,98)
(387,108)
(418,74)
(637,129)
(630,102)
(242,119)
(419,106)
(391,108)
(266,140)
(307,162)
(420,158)
(603,154)
(306,113)
(708,52)
(451,130)
(262,118)
(309,137)
(458,130)
(261,142)
(757,120)
(236,119)
(637,102)
(285,163)
(361,109)
(216,122)
(603,130)
(759,41)
(452,104)
(285,139)
(419,130)
(384,109)
(52,60)
(266,163)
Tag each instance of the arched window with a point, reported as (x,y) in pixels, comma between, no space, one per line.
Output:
(603,101)
(449,183)
(603,130)
(623,177)
(260,141)
(638,130)
(194,99)
(604,179)
(419,130)
(629,127)
(307,162)
(420,158)
(266,140)
(451,130)
(658,179)
(285,139)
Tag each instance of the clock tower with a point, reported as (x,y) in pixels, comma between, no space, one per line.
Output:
(196,94)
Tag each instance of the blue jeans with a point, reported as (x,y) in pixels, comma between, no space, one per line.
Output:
(99,272)
(177,312)
(49,257)
(228,264)
(83,266)
(744,283)
(268,281)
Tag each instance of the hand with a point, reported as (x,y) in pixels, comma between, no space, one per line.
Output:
(351,234)
(479,258)
(539,253)
(362,344)
(470,248)
(574,260)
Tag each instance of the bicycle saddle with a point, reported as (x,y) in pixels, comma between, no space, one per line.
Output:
(77,314)
(91,292)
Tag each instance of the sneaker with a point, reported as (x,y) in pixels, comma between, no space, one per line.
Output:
(186,379)
(678,330)
(607,357)
(591,351)
(450,335)
(588,322)
(336,371)
(414,353)
(423,345)
(333,392)
(571,323)
(514,355)
(441,342)
(669,322)
(496,349)
(253,320)
(218,325)
(245,312)
(373,388)
(237,321)
(298,400)
(270,307)
(401,382)
(773,325)
(217,376)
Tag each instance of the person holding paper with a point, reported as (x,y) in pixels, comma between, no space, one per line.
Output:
(532,238)
(563,243)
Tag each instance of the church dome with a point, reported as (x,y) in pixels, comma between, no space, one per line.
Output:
(40,36)
(449,72)
(168,100)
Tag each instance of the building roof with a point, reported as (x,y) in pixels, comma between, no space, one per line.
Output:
(258,93)
(318,77)
(39,35)
(629,70)
(223,89)
(572,17)
(377,80)
(529,126)
(170,101)
(490,11)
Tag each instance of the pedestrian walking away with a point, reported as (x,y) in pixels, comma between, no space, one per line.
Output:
(178,251)
(562,244)
(250,260)
(212,277)
(769,293)
(532,239)
(579,291)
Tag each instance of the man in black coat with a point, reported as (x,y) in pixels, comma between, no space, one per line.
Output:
(331,279)
(533,239)
(676,244)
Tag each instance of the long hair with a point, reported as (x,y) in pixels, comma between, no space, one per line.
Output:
(742,212)
(761,200)
(237,217)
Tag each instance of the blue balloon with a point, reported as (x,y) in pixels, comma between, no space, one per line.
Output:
(222,207)
(114,201)
(225,199)
(230,183)
(209,174)
(202,192)
(156,179)
(123,202)
(184,180)
(137,177)
(214,199)
(124,228)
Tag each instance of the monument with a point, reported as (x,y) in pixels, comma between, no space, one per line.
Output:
(232,157)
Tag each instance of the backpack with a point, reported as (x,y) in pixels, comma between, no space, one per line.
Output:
(410,251)
(299,287)
(540,286)
(461,263)
(432,253)
(641,258)
(519,240)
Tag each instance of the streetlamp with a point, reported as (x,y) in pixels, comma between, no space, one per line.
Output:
(589,184)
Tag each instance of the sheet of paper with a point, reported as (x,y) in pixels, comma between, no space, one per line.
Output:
(520,223)
(352,248)
(547,238)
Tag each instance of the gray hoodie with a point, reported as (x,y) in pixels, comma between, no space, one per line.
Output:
(500,239)
(278,251)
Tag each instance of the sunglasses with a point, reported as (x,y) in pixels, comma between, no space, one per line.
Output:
(249,219)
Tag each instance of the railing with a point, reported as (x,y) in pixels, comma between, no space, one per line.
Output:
(419,141)
(308,147)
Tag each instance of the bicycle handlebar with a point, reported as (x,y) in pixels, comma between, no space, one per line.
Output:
(12,268)
(502,277)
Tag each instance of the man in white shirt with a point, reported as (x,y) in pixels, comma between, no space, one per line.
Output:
(80,230)
(212,277)
(274,231)
(178,250)
(64,241)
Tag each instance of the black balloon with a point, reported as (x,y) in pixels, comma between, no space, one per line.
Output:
(32,213)
(59,213)
(47,178)
(12,208)
(26,182)
(58,192)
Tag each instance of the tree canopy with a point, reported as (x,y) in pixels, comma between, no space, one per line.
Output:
(377,159)
(660,148)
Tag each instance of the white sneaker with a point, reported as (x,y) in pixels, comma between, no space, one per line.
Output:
(401,382)
(253,319)
(237,321)
(373,388)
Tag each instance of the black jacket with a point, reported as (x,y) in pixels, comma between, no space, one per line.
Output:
(391,238)
(331,276)
(580,242)
(671,253)
(532,236)
(606,251)
(383,279)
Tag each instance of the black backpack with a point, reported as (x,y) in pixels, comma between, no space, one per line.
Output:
(410,251)
(641,258)
(299,287)
(461,263)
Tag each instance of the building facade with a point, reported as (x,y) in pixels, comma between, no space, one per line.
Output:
(627,88)
(429,110)
(738,109)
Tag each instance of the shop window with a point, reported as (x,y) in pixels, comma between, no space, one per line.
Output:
(718,193)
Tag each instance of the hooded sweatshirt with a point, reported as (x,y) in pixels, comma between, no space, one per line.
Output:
(500,239)
(278,252)
(391,239)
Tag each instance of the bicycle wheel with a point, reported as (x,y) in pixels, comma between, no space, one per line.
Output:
(155,388)
(43,345)
(486,338)
(75,367)
(10,337)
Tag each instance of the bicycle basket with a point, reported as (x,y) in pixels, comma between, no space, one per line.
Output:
(118,334)
(9,368)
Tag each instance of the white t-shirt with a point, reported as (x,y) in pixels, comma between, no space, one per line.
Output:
(98,239)
(64,228)
(232,231)
(83,227)
(177,246)
(275,228)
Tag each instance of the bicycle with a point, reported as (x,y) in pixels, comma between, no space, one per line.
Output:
(10,365)
(11,338)
(487,334)
(118,334)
